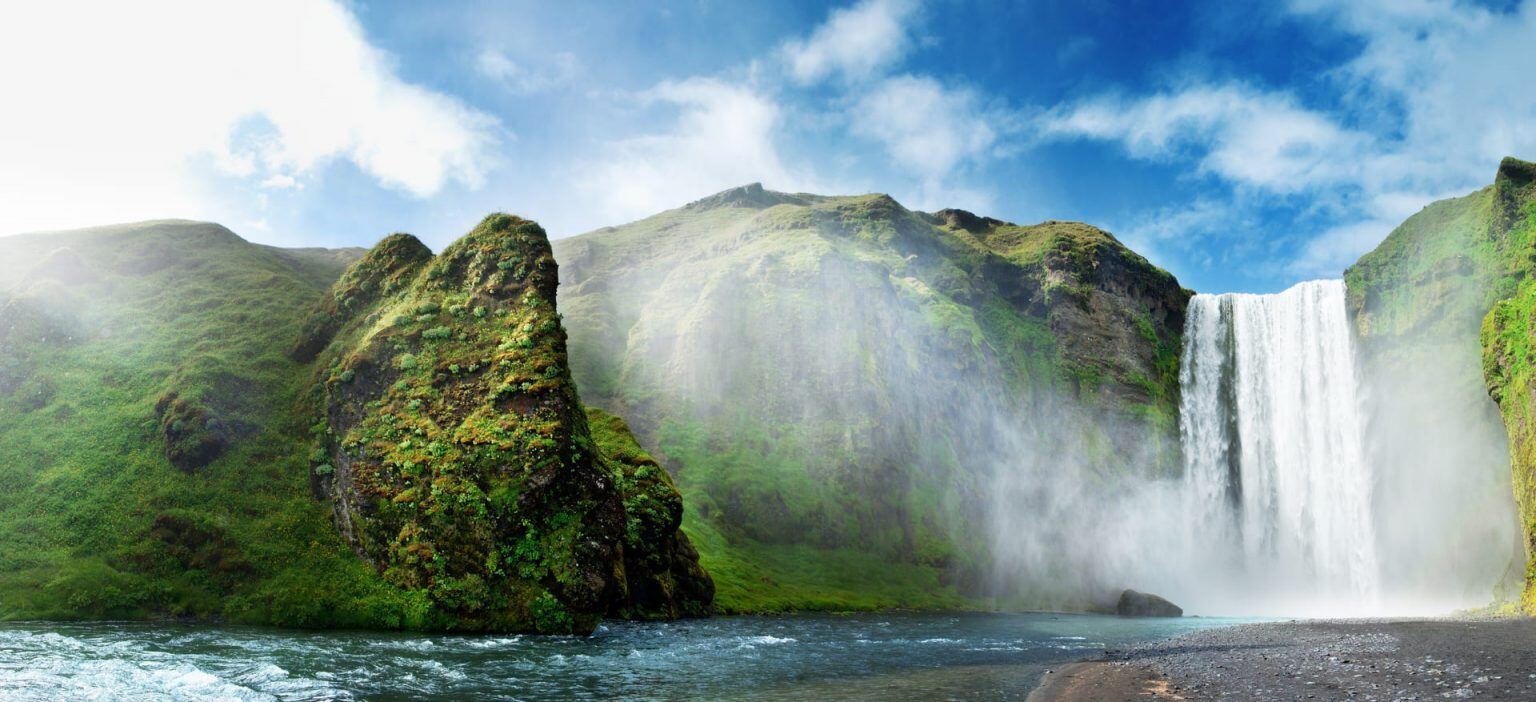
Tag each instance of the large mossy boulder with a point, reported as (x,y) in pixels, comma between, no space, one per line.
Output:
(456,451)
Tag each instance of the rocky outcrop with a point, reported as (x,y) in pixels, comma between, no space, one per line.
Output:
(386,269)
(458,455)
(661,566)
(1143,604)
(192,436)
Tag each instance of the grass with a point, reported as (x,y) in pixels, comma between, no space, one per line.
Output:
(95,523)
(174,412)
(754,578)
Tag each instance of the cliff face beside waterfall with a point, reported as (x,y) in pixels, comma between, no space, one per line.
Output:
(1449,276)
(1509,344)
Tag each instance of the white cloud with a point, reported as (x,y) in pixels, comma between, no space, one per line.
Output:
(526,78)
(112,107)
(1459,76)
(1248,136)
(1443,89)
(1458,79)
(282,181)
(855,42)
(723,136)
(929,130)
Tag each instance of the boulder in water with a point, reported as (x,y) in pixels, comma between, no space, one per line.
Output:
(1143,604)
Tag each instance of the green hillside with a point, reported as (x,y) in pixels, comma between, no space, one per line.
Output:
(159,422)
(838,382)
(155,458)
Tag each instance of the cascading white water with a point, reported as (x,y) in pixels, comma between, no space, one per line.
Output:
(1278,486)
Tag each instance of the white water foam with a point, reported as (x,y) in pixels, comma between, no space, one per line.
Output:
(1276,476)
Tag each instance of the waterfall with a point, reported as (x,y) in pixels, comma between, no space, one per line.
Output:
(1278,488)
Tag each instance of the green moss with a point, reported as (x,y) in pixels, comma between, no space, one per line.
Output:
(1509,351)
(463,461)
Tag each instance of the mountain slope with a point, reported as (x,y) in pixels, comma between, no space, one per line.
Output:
(158,420)
(840,384)
(149,433)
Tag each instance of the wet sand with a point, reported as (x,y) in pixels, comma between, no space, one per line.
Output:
(1315,660)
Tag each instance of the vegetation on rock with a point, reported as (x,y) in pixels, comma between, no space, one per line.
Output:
(1509,348)
(458,455)
(161,427)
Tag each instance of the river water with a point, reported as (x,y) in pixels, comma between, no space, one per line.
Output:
(885,656)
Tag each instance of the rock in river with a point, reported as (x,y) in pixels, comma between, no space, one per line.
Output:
(1142,604)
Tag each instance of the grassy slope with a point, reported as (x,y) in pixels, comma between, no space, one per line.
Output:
(161,438)
(96,522)
(800,503)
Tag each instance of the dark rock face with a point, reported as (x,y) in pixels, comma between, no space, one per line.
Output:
(1118,321)
(458,456)
(661,567)
(1142,604)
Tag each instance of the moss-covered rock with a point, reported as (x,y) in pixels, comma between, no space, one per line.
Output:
(661,567)
(383,270)
(456,451)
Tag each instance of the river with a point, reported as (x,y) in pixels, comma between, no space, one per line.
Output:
(885,656)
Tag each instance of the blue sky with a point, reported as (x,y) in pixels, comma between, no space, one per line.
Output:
(1241,147)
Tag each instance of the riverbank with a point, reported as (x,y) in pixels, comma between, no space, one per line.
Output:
(1324,660)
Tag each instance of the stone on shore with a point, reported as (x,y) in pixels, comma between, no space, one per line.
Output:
(1142,604)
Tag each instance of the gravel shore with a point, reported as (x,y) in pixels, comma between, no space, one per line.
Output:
(1316,660)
